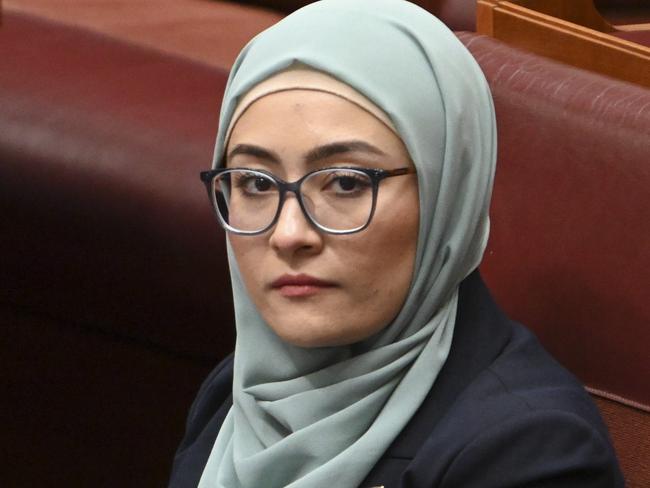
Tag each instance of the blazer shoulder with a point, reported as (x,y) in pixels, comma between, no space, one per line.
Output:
(214,391)
(538,447)
(524,421)
(204,420)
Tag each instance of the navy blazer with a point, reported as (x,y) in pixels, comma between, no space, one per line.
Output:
(502,413)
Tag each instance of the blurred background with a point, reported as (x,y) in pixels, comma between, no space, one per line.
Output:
(114,289)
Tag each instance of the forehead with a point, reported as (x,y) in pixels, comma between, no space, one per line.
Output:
(298,120)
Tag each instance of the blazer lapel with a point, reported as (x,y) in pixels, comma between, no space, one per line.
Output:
(480,334)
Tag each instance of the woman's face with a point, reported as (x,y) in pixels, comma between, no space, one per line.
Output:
(314,288)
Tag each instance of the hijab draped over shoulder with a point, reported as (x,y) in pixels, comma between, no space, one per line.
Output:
(322,417)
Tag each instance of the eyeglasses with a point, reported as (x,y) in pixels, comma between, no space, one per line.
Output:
(334,200)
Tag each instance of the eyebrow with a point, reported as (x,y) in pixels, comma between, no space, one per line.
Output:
(344,147)
(314,155)
(255,151)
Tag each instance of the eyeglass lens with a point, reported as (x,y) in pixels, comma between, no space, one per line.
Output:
(336,199)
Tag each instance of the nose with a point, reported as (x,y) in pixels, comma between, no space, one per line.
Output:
(293,233)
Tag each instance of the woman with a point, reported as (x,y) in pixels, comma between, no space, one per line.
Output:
(353,172)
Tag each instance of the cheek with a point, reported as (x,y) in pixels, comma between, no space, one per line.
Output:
(248,252)
(385,262)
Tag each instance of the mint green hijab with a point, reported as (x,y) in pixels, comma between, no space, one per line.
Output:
(311,418)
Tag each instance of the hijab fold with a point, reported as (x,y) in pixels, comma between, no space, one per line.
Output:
(322,417)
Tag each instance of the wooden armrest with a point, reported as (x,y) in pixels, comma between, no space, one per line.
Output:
(565,41)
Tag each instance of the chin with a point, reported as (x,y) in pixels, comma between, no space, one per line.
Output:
(315,335)
(307,340)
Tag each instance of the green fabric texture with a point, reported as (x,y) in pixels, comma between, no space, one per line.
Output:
(322,417)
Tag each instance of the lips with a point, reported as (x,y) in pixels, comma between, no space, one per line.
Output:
(301,285)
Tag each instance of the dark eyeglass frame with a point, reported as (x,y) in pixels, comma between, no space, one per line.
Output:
(375,175)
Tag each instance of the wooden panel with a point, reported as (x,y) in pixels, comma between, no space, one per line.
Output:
(581,12)
(564,41)
(633,27)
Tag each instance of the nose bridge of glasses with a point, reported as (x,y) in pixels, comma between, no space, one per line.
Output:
(290,187)
(292,215)
(295,187)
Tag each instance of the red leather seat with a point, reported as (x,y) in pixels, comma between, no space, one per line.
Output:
(114,295)
(569,248)
(457,14)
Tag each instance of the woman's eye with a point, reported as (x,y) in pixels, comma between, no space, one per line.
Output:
(253,184)
(262,184)
(351,183)
(347,183)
